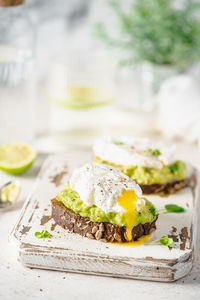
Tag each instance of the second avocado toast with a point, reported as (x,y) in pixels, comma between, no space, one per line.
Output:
(153,166)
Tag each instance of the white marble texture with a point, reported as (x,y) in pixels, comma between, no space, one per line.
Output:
(18,282)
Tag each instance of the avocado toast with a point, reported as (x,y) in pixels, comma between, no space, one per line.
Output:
(102,203)
(154,167)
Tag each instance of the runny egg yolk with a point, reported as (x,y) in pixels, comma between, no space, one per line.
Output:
(128,201)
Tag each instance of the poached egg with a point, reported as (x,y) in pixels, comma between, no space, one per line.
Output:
(134,151)
(110,190)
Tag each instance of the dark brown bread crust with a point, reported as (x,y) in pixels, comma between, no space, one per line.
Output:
(100,231)
(165,188)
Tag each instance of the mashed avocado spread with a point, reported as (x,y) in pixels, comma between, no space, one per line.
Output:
(149,176)
(71,200)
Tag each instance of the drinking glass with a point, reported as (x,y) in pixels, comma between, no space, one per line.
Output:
(81,96)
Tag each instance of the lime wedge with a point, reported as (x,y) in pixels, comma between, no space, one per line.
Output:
(81,97)
(16,158)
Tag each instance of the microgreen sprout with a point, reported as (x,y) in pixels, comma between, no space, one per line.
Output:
(171,208)
(118,143)
(164,240)
(147,151)
(156,152)
(43,234)
(153,210)
(173,168)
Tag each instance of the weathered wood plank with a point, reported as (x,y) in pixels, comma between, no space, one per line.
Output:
(66,251)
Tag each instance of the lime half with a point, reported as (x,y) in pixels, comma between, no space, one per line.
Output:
(81,97)
(16,158)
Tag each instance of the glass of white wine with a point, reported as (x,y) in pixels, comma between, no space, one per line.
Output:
(81,94)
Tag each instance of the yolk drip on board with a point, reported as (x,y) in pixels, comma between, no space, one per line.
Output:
(140,241)
(128,201)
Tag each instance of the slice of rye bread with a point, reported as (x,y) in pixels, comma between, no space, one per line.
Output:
(103,231)
(165,188)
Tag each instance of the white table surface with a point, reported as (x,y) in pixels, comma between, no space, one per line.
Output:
(19,282)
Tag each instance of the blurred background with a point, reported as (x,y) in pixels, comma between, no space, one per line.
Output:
(74,70)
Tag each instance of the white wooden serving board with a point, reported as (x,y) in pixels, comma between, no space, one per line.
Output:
(67,251)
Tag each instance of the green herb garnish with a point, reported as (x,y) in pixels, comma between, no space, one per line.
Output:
(164,240)
(43,234)
(173,168)
(173,208)
(153,211)
(156,152)
(118,143)
(147,151)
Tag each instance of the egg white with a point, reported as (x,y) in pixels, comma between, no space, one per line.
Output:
(132,152)
(101,185)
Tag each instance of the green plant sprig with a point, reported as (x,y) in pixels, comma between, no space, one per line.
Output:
(155,31)
(156,152)
(164,240)
(171,208)
(173,168)
(43,234)
(118,143)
